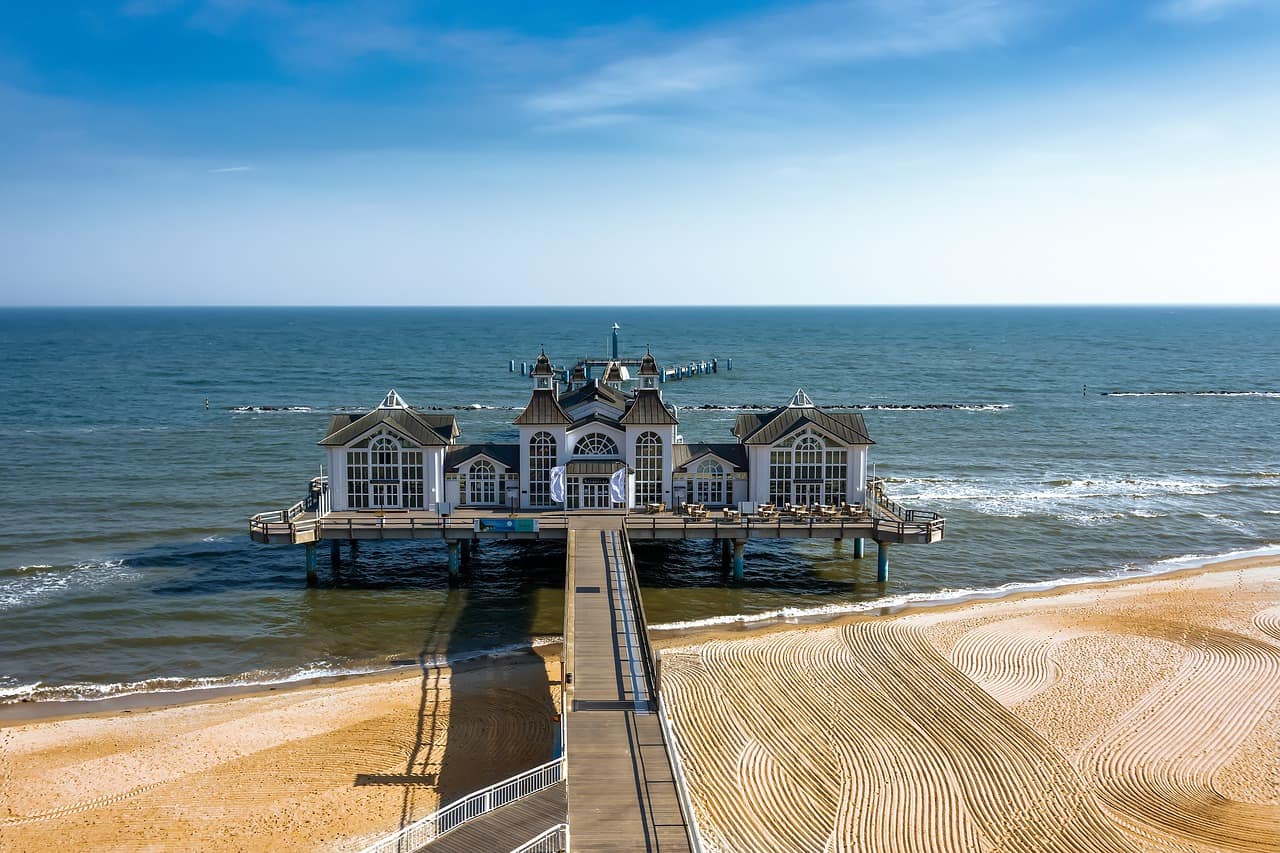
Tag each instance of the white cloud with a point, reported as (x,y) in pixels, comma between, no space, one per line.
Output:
(786,44)
(232,169)
(1205,11)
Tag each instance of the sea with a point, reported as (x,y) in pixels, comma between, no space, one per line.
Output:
(1063,445)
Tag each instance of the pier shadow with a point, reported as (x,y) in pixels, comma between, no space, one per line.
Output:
(486,710)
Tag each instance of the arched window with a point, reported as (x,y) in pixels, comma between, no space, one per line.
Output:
(482,483)
(708,483)
(648,468)
(542,458)
(595,444)
(808,458)
(384,456)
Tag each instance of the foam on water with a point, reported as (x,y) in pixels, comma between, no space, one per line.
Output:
(34,583)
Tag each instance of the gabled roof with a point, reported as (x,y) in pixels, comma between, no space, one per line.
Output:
(507,454)
(592,391)
(428,430)
(596,418)
(767,428)
(683,455)
(647,408)
(543,410)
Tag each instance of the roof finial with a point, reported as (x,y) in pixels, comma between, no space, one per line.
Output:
(800,400)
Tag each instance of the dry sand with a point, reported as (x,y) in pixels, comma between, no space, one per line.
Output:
(1138,716)
(1143,715)
(326,767)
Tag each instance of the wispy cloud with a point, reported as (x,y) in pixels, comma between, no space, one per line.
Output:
(785,45)
(1207,11)
(226,169)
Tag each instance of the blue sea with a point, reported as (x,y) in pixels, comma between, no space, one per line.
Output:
(1062,444)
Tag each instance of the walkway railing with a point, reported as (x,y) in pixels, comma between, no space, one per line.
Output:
(554,840)
(420,832)
(669,735)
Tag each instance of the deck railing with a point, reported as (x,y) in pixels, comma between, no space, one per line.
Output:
(420,832)
(554,840)
(912,522)
(669,735)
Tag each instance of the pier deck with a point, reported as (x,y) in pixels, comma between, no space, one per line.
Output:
(622,792)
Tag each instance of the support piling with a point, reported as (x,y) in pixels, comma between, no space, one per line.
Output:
(882,562)
(859,547)
(739,561)
(312,578)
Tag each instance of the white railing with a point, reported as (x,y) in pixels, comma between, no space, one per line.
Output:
(420,832)
(677,773)
(554,840)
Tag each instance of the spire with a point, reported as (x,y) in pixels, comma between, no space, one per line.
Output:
(542,365)
(648,364)
(393,401)
(800,400)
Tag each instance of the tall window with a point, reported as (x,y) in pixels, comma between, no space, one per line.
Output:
(542,458)
(595,444)
(358,479)
(648,468)
(807,458)
(780,475)
(835,486)
(384,459)
(482,484)
(708,483)
(411,472)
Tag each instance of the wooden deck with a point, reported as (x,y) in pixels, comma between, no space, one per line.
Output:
(508,827)
(622,795)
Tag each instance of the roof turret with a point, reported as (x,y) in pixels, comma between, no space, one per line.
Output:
(542,366)
(648,364)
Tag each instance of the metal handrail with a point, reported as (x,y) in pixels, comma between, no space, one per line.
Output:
(554,840)
(673,753)
(470,807)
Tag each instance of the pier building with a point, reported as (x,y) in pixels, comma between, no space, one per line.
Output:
(596,465)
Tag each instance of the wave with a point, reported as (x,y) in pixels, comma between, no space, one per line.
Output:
(32,583)
(866,407)
(165,685)
(261,409)
(1272,394)
(890,604)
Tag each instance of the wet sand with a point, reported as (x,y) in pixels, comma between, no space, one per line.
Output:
(1130,715)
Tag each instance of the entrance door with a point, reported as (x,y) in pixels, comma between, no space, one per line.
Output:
(384,495)
(808,493)
(595,493)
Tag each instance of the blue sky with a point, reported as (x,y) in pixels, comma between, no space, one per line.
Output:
(919,151)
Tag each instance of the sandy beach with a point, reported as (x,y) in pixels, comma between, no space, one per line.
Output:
(1135,715)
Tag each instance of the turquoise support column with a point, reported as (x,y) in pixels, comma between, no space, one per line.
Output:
(882,562)
(455,558)
(739,561)
(312,578)
(859,548)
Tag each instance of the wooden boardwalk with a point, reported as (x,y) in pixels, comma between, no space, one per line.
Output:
(622,795)
(505,828)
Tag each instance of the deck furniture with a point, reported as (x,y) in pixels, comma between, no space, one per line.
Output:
(654,508)
(732,515)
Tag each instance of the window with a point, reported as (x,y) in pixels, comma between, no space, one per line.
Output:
(542,458)
(780,475)
(835,485)
(358,479)
(709,483)
(648,468)
(595,444)
(807,459)
(411,472)
(384,459)
(482,484)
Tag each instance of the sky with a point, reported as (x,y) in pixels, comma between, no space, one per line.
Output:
(274,152)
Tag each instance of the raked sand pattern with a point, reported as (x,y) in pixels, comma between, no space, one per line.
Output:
(1131,717)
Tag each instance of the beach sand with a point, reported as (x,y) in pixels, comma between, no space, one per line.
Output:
(1135,716)
(321,767)
(1138,715)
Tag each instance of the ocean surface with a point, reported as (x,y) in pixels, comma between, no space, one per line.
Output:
(126,567)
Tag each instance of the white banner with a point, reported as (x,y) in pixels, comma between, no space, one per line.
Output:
(618,486)
(557,484)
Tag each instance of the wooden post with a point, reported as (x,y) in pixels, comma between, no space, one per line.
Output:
(312,578)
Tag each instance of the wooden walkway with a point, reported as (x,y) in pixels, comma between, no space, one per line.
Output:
(622,795)
(505,828)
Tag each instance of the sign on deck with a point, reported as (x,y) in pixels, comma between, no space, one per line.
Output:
(510,525)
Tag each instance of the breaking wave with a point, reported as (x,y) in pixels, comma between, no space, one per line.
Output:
(1274,394)
(26,584)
